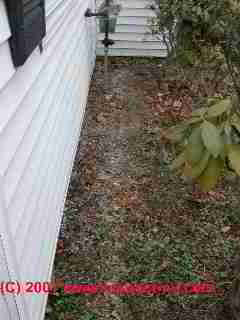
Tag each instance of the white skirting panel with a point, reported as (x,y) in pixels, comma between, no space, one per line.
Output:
(41,112)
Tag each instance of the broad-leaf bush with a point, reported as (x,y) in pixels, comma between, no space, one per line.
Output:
(210,143)
(195,32)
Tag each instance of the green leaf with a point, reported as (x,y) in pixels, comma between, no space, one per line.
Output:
(194,172)
(228,130)
(225,141)
(211,174)
(212,101)
(195,147)
(211,138)
(219,108)
(234,157)
(199,112)
(235,121)
(192,120)
(222,127)
(178,162)
(235,101)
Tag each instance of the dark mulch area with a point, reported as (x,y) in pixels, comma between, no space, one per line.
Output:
(129,219)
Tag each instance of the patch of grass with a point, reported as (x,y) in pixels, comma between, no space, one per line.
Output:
(62,304)
(231,215)
(89,316)
(146,260)
(102,232)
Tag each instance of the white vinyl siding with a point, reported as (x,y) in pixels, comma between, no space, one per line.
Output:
(133,35)
(7,68)
(41,111)
(8,307)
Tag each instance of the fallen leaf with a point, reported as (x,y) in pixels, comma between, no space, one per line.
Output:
(164,265)
(226,229)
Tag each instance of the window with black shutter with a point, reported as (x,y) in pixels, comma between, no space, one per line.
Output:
(28,27)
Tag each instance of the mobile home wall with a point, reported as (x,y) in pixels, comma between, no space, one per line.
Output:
(42,106)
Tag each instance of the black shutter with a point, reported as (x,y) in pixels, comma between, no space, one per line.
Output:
(28,27)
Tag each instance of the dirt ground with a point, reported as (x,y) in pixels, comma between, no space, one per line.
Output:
(128,219)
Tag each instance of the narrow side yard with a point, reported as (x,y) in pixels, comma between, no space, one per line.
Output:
(128,219)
